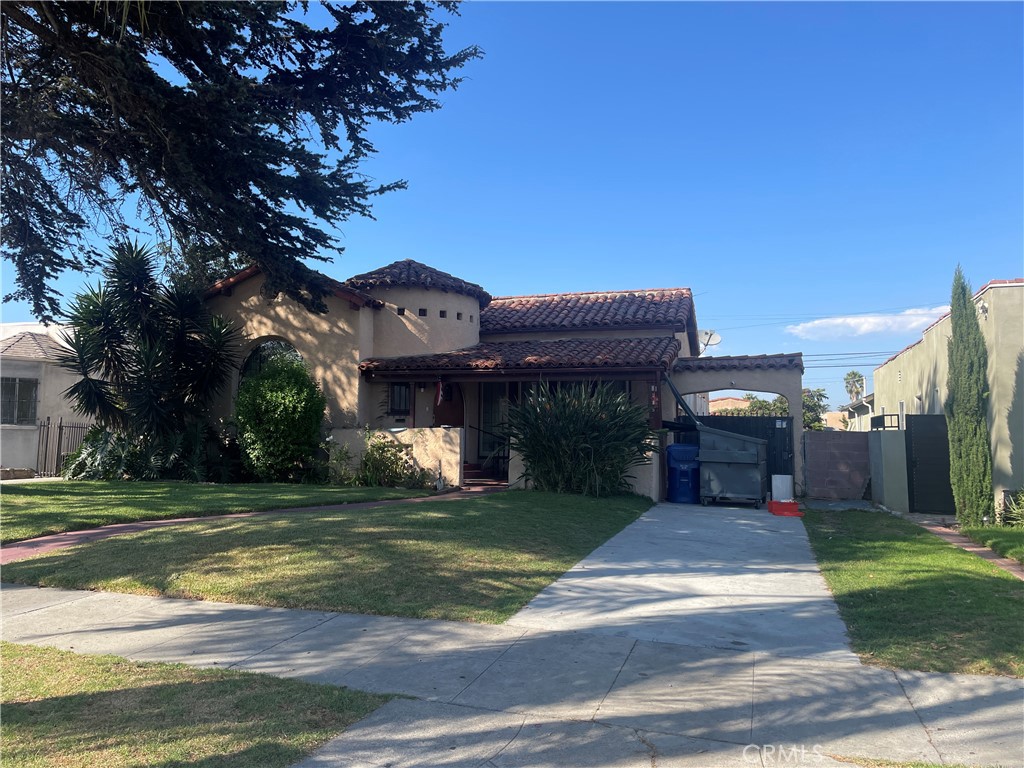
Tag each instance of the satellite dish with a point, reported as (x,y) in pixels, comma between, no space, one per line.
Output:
(708,339)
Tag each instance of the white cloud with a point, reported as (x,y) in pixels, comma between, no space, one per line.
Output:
(828,328)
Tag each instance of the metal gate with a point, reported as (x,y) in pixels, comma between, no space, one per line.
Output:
(928,465)
(777,430)
(56,442)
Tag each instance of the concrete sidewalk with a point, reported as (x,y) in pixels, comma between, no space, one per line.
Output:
(658,649)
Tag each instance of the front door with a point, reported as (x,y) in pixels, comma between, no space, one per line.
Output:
(449,407)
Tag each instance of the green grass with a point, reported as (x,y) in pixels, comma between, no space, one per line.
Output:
(912,601)
(478,559)
(36,509)
(1008,542)
(60,708)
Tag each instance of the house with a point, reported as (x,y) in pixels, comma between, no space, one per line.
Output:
(858,413)
(32,387)
(914,380)
(437,360)
(719,404)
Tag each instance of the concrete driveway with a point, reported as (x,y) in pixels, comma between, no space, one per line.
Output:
(697,638)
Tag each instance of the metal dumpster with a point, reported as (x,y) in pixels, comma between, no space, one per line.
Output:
(683,473)
(732,467)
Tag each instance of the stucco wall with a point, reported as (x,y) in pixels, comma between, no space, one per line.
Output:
(918,377)
(19,444)
(330,343)
(410,334)
(887,454)
(432,449)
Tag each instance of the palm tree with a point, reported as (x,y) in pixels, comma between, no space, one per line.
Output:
(150,358)
(854,382)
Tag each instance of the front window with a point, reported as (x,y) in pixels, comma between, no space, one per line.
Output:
(18,400)
(398,400)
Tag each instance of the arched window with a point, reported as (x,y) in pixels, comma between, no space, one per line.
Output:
(265,351)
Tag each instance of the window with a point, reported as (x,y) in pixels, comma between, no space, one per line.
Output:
(422,312)
(458,315)
(903,415)
(398,399)
(18,400)
(400,310)
(443,313)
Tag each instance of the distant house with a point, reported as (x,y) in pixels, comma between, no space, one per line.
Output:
(32,387)
(719,404)
(437,361)
(858,413)
(914,381)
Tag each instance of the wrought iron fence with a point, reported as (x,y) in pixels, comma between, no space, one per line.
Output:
(56,443)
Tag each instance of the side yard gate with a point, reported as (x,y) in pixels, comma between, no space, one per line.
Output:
(56,442)
(928,487)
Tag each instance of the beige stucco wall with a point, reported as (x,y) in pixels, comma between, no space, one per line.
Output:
(436,450)
(409,334)
(918,377)
(331,344)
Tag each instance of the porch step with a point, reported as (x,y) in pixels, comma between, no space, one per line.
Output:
(484,483)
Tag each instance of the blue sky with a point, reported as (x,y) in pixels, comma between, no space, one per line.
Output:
(813,172)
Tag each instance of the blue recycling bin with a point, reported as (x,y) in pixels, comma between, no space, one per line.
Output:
(683,473)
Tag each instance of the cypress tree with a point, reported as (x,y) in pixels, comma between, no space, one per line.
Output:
(970,456)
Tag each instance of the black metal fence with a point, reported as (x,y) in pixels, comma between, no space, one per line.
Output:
(56,442)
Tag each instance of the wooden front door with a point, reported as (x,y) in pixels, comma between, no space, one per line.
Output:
(451,410)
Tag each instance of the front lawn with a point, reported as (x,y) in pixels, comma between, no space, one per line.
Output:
(36,509)
(60,708)
(478,559)
(1008,542)
(912,601)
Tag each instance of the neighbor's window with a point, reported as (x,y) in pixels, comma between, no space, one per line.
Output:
(398,399)
(18,400)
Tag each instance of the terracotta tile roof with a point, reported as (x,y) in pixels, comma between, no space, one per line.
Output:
(337,288)
(36,346)
(658,352)
(657,307)
(411,274)
(793,361)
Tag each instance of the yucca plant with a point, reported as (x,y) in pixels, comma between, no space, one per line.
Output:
(150,358)
(581,438)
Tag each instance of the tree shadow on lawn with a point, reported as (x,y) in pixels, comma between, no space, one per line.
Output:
(444,561)
(241,721)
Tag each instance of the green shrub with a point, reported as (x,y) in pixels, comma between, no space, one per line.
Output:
(106,455)
(387,464)
(279,413)
(582,438)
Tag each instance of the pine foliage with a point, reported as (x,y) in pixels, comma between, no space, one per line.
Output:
(970,456)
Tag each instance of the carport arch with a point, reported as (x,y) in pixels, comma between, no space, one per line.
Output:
(778,374)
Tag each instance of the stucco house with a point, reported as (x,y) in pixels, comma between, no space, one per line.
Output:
(858,413)
(437,359)
(914,381)
(32,387)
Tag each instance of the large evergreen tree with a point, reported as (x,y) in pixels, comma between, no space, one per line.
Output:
(970,456)
(236,125)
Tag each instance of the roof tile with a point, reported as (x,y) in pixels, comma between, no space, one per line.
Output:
(411,274)
(793,361)
(659,307)
(36,346)
(658,352)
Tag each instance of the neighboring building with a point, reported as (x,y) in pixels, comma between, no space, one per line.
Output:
(914,380)
(835,421)
(32,387)
(408,347)
(858,414)
(719,404)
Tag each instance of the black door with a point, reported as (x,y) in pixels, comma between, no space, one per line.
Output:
(928,466)
(777,430)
